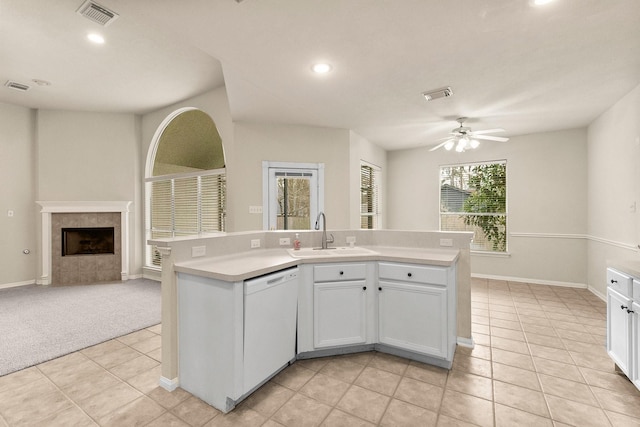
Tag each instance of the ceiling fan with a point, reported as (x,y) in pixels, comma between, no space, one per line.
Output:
(463,138)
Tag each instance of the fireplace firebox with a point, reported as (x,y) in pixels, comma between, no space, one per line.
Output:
(88,241)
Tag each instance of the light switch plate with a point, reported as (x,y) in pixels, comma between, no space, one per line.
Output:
(197,251)
(255,243)
(285,241)
(446,242)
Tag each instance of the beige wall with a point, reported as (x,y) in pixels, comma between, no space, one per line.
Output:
(86,156)
(614,187)
(546,203)
(17,193)
(288,143)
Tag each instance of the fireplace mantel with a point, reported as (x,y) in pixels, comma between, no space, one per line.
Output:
(50,207)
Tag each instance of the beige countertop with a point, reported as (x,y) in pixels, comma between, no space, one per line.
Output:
(629,266)
(246,265)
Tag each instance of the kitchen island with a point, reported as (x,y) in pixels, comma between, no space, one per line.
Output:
(398,299)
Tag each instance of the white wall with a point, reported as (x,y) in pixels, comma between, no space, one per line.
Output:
(17,192)
(614,187)
(546,203)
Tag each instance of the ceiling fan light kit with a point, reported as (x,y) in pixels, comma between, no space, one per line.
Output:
(463,138)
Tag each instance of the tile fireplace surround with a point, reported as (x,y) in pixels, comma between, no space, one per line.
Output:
(58,270)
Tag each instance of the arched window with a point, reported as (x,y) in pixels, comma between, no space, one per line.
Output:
(185,179)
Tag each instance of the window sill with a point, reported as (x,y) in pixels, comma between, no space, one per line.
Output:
(491,254)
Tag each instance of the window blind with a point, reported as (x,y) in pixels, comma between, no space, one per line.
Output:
(188,204)
(369,196)
(473,197)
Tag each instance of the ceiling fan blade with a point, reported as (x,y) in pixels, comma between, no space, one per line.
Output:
(482,132)
(440,145)
(491,138)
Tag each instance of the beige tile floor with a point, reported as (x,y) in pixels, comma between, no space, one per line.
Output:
(539,361)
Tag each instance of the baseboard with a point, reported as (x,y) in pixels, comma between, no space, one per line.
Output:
(167,384)
(597,293)
(466,342)
(16,284)
(532,281)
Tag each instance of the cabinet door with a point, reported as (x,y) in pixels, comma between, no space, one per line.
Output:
(619,329)
(339,313)
(413,317)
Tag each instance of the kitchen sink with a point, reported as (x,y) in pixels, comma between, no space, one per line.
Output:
(330,252)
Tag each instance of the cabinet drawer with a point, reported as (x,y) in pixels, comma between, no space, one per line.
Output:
(619,282)
(413,273)
(636,290)
(333,272)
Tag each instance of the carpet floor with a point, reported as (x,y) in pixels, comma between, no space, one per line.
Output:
(40,323)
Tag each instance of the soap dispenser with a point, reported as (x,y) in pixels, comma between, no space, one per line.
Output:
(296,242)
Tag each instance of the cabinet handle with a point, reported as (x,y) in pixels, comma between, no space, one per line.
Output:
(630,311)
(623,307)
(341,273)
(364,288)
(380,288)
(409,274)
(614,281)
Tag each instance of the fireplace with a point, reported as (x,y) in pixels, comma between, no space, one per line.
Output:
(96,240)
(87,241)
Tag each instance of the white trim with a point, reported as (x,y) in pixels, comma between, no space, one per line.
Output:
(167,384)
(550,235)
(597,239)
(531,281)
(316,193)
(597,293)
(466,342)
(16,284)
(51,207)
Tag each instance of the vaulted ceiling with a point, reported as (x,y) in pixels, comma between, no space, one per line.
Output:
(510,64)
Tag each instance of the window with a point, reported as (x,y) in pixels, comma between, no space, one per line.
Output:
(185,182)
(473,197)
(292,194)
(369,196)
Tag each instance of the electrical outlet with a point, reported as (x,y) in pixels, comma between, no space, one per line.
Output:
(255,209)
(285,241)
(9,213)
(446,242)
(255,243)
(197,251)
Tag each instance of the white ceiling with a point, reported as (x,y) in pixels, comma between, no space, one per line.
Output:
(510,65)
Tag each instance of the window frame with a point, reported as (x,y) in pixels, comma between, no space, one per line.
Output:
(505,214)
(270,172)
(374,215)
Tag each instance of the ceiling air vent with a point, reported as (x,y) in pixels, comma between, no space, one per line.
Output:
(97,13)
(17,86)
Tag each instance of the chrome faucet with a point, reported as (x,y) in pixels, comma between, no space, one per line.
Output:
(325,240)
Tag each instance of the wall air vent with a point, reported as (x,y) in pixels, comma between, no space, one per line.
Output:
(97,13)
(17,86)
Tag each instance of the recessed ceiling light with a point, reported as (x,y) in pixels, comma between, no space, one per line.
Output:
(41,82)
(95,38)
(541,2)
(321,68)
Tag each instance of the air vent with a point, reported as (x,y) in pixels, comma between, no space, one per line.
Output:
(17,86)
(97,13)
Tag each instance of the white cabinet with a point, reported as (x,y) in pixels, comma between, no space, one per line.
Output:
(339,305)
(619,337)
(416,310)
(413,317)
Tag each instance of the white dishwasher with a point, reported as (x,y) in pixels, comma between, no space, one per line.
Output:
(270,314)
